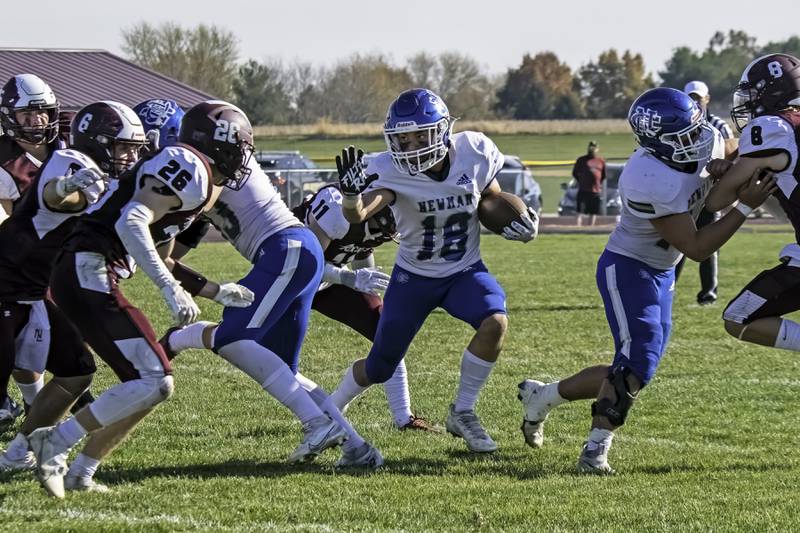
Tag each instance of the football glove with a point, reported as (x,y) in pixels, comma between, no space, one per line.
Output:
(181,305)
(234,295)
(79,180)
(371,280)
(525,231)
(352,178)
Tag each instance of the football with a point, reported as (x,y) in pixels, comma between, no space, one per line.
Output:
(497,211)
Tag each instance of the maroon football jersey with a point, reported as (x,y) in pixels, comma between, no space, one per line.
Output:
(18,169)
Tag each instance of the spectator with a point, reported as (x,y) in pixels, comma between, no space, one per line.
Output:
(589,171)
(709,269)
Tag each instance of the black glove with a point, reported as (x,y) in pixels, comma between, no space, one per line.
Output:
(352,178)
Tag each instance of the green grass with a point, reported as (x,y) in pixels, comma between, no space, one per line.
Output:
(709,446)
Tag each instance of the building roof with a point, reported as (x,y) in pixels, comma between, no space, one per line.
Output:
(79,77)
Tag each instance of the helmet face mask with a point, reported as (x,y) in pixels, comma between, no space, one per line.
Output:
(222,133)
(417,117)
(28,93)
(671,126)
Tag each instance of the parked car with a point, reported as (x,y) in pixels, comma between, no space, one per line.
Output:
(293,174)
(568,205)
(517,179)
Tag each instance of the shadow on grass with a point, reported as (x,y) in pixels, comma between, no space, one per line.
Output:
(554,307)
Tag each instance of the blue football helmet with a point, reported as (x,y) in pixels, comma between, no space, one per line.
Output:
(161,120)
(671,126)
(417,110)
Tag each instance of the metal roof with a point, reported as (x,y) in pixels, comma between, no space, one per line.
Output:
(80,77)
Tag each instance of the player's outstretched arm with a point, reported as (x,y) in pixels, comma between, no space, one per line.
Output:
(228,294)
(680,231)
(732,176)
(74,192)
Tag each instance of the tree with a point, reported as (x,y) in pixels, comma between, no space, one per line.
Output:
(541,87)
(203,57)
(458,79)
(612,83)
(259,90)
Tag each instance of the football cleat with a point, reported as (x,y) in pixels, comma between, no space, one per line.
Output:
(535,412)
(467,425)
(321,433)
(84,484)
(417,423)
(51,459)
(595,461)
(9,411)
(365,456)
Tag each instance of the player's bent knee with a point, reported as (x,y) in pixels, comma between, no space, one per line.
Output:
(166,388)
(616,411)
(379,371)
(494,326)
(734,328)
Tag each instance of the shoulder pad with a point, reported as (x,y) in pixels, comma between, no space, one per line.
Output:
(768,134)
(647,181)
(186,173)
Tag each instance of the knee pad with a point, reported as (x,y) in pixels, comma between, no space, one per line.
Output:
(616,411)
(131,397)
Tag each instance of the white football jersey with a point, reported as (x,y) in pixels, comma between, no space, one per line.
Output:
(184,171)
(438,220)
(649,189)
(766,135)
(248,216)
(326,209)
(63,163)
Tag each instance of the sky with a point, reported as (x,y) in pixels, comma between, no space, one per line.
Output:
(497,33)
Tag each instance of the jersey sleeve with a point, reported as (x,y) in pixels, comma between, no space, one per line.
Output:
(183,172)
(494,160)
(767,136)
(326,209)
(8,187)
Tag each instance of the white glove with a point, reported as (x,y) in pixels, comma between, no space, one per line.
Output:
(525,231)
(234,295)
(184,310)
(79,180)
(370,280)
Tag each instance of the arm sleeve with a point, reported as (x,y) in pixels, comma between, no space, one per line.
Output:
(133,228)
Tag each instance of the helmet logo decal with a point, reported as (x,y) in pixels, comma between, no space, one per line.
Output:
(157,112)
(646,122)
(775,69)
(226,131)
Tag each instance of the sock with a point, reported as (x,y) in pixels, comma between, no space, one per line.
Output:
(398,396)
(788,336)
(347,392)
(474,373)
(83,466)
(30,390)
(551,395)
(70,432)
(17,448)
(323,400)
(598,437)
(189,337)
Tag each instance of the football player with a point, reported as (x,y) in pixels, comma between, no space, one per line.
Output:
(35,333)
(351,296)
(29,118)
(265,341)
(142,210)
(766,109)
(663,188)
(433,180)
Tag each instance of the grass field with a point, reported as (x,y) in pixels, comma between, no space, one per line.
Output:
(526,146)
(709,446)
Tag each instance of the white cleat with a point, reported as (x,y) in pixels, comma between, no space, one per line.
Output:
(321,433)
(595,461)
(27,461)
(365,456)
(84,484)
(51,459)
(467,425)
(535,412)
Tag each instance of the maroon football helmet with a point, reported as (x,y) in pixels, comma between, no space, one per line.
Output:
(99,128)
(768,85)
(28,92)
(222,132)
